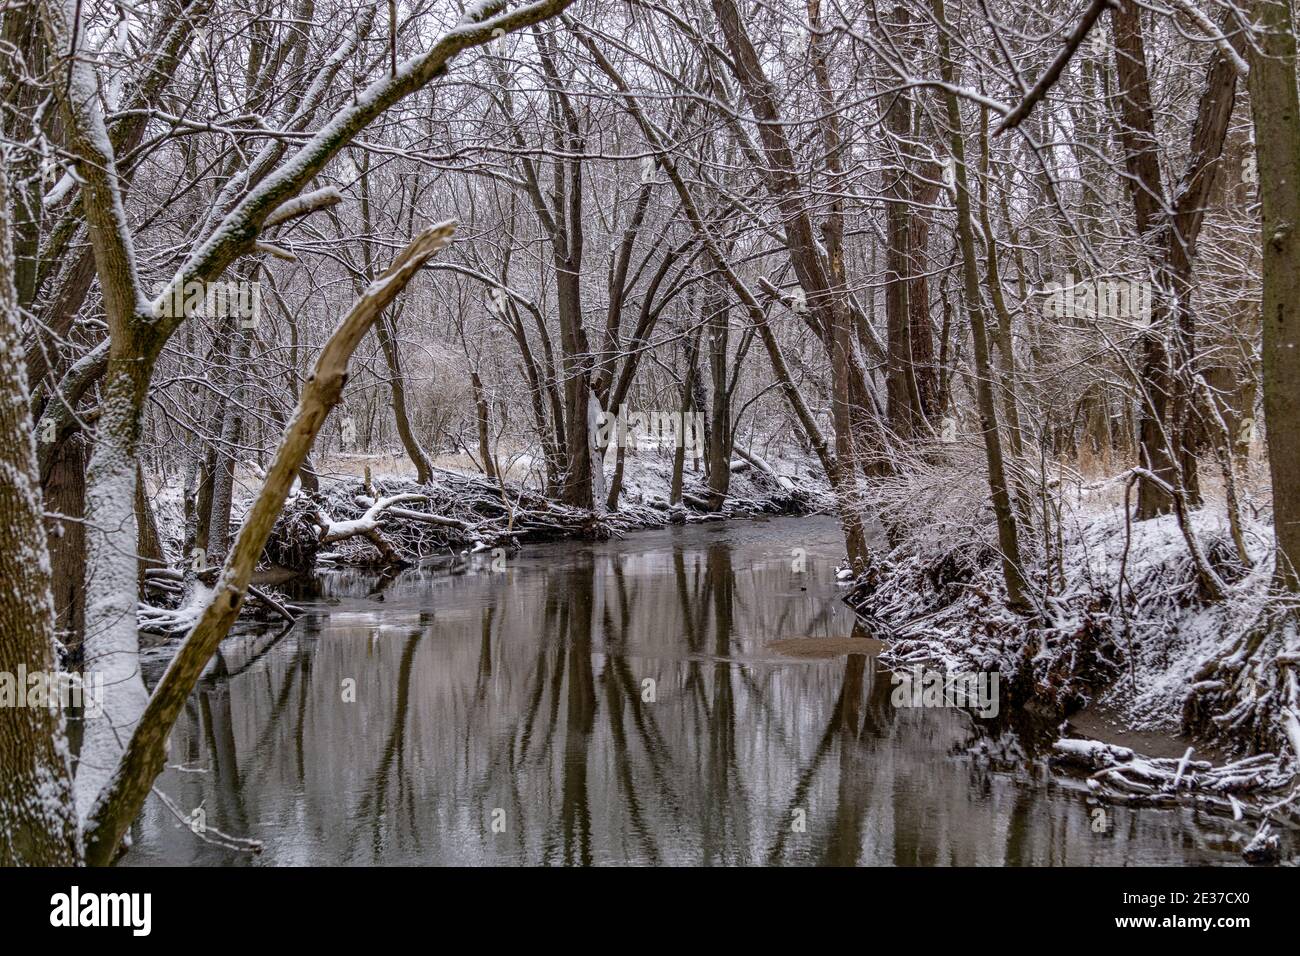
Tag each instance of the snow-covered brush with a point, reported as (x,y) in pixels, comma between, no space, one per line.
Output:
(1262,788)
(1249,689)
(179,609)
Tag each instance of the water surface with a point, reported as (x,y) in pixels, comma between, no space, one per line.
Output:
(610,703)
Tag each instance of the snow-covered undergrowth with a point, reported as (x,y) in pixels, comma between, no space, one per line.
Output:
(1118,618)
(1120,621)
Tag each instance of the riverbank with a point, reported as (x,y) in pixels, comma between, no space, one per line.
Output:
(397,521)
(1122,645)
(1119,622)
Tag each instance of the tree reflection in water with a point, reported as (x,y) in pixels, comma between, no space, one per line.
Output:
(607,703)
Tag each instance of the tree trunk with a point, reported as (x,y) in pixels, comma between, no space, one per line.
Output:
(692,348)
(924,370)
(575,361)
(1008,532)
(149,544)
(899,383)
(718,321)
(232,435)
(484,433)
(396,381)
(1276,112)
(202,509)
(65,494)
(112,644)
(38,823)
(401,417)
(826,294)
(1142,165)
(1003,337)
(1169,228)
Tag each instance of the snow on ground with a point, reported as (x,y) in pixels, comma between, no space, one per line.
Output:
(1172,632)
(1125,627)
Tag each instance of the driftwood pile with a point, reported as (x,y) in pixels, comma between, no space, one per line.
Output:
(174,598)
(396,522)
(1262,788)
